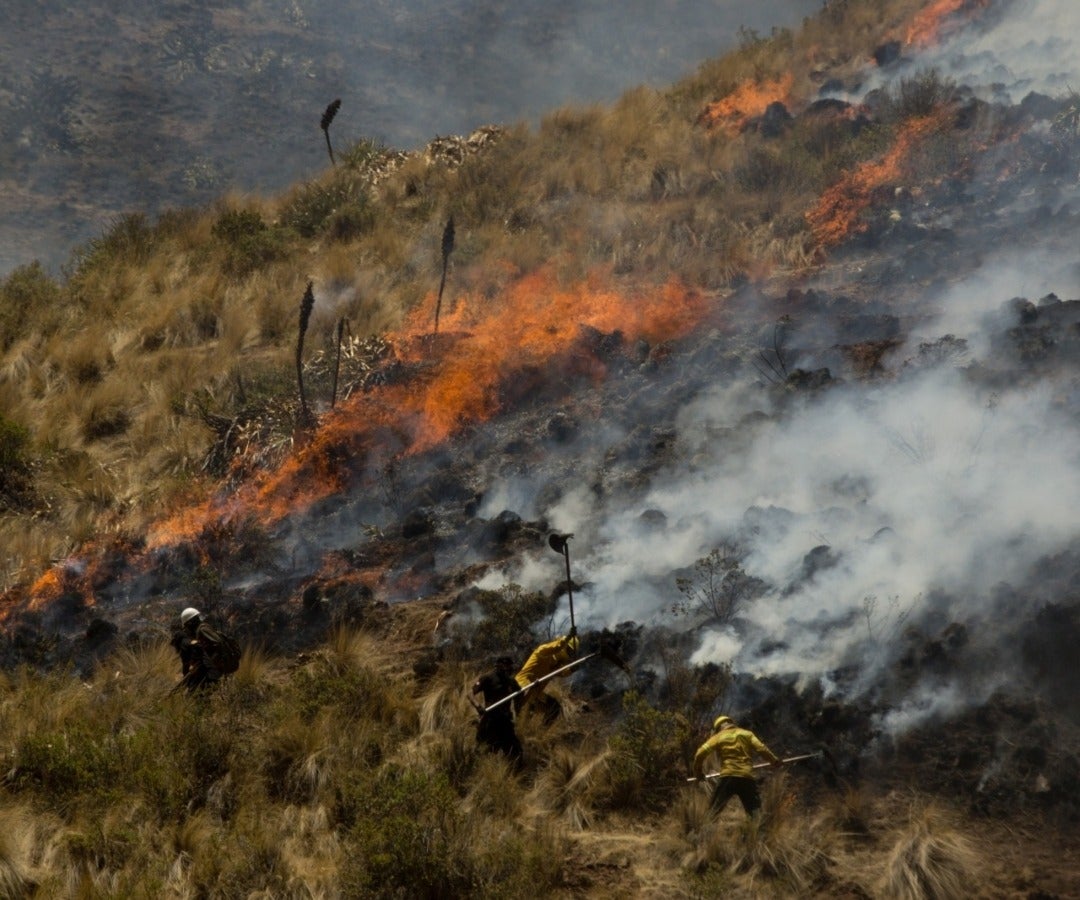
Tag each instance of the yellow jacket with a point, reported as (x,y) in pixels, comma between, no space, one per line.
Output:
(545,659)
(736,747)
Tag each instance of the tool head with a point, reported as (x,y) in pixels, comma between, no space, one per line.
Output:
(557,541)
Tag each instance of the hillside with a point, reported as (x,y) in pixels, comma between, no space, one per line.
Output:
(790,349)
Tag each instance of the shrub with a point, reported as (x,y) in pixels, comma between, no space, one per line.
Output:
(647,763)
(249,242)
(403,846)
(919,95)
(506,621)
(719,587)
(127,243)
(315,208)
(29,298)
(15,462)
(66,764)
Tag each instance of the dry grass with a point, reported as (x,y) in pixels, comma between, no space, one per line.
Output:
(932,859)
(107,362)
(570,783)
(294,781)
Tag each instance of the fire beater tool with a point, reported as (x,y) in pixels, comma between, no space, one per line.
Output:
(560,544)
(765,765)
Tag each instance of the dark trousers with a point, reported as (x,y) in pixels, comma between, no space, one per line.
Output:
(745,789)
(497,732)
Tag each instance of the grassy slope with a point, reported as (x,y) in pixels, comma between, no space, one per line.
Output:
(340,773)
(111,381)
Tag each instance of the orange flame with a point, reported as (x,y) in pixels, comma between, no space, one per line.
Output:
(486,345)
(836,215)
(749,99)
(937,20)
(63,578)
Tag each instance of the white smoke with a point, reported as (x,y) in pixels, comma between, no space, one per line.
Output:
(929,490)
(1030,46)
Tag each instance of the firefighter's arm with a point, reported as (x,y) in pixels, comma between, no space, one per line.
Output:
(702,754)
(760,747)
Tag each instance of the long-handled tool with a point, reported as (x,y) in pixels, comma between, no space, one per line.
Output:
(531,685)
(764,765)
(559,543)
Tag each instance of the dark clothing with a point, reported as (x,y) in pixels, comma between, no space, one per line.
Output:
(496,728)
(746,789)
(197,653)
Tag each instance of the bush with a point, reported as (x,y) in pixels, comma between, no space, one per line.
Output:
(249,242)
(647,764)
(403,845)
(15,463)
(342,208)
(29,298)
(127,243)
(507,619)
(66,765)
(920,95)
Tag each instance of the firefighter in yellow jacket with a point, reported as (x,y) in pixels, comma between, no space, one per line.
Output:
(544,660)
(736,748)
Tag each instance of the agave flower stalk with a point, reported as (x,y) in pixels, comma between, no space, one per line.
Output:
(447,249)
(307,303)
(324,124)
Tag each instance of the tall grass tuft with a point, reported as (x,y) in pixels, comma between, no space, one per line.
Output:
(571,783)
(931,860)
(18,837)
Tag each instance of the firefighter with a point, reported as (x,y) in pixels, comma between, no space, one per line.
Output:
(206,655)
(736,748)
(544,660)
(496,727)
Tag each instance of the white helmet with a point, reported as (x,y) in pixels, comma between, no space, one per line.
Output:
(188,614)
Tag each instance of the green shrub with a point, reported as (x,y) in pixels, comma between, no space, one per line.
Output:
(340,207)
(403,845)
(66,765)
(507,620)
(249,242)
(15,464)
(647,764)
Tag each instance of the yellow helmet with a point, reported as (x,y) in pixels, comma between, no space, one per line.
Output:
(721,720)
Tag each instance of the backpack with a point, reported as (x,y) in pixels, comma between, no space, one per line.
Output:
(222,650)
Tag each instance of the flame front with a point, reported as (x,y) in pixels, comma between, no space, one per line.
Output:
(457,378)
(749,99)
(837,213)
(937,20)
